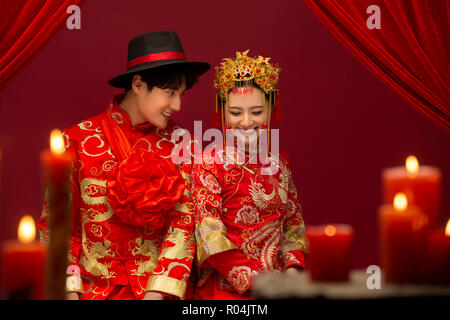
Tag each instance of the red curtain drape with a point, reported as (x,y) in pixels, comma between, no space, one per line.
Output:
(25,26)
(409,53)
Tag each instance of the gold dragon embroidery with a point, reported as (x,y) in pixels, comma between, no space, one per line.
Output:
(147,248)
(93,251)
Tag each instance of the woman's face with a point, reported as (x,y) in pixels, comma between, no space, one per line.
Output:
(246,114)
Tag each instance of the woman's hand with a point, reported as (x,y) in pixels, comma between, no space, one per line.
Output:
(292,270)
(72,296)
(153,296)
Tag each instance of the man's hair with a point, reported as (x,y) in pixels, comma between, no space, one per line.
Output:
(166,78)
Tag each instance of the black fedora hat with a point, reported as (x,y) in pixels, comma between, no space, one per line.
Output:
(156,50)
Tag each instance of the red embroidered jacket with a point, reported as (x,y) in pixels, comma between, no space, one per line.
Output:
(246,222)
(106,251)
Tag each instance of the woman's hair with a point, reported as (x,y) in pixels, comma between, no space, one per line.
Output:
(166,78)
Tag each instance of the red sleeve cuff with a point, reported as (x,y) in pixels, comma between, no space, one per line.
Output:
(294,258)
(236,268)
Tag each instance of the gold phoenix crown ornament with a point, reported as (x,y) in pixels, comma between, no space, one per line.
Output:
(244,71)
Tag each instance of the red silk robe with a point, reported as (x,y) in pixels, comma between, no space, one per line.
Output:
(246,223)
(106,253)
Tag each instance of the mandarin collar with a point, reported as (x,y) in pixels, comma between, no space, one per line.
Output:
(122,118)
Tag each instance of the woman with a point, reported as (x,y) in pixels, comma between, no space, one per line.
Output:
(248,218)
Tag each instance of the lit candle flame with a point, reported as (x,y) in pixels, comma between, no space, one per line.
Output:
(57,145)
(27,229)
(330,230)
(412,164)
(400,202)
(447,228)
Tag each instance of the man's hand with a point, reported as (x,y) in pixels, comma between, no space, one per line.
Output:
(72,296)
(153,296)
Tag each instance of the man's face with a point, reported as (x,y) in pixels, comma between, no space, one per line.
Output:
(158,105)
(246,113)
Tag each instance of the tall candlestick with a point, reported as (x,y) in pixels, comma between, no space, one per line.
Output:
(402,240)
(57,166)
(420,184)
(330,246)
(23,264)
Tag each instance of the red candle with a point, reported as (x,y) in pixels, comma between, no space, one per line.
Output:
(57,166)
(437,261)
(402,240)
(23,264)
(330,249)
(421,185)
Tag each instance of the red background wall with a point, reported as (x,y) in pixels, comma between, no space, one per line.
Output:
(341,125)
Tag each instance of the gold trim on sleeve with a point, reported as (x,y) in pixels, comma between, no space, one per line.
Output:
(167,285)
(295,239)
(74,284)
(211,237)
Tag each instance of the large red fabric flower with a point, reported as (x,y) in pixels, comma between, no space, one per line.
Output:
(143,187)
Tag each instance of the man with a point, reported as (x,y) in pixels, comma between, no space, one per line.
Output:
(132,234)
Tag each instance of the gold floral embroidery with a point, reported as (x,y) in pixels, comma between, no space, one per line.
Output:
(247,215)
(205,203)
(241,278)
(210,182)
(96,230)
